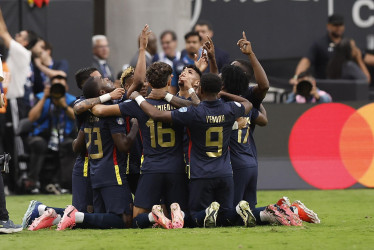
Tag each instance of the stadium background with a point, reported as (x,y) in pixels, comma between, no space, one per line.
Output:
(280,31)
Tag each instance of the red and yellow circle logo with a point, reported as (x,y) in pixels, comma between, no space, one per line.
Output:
(331,146)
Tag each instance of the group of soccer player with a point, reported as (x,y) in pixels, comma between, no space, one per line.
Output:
(188,160)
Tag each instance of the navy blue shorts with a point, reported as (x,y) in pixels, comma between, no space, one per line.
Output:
(113,199)
(170,187)
(245,186)
(204,191)
(82,192)
(133,180)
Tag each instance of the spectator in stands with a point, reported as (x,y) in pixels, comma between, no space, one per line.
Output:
(44,67)
(100,49)
(150,51)
(347,62)
(169,52)
(19,58)
(193,45)
(205,28)
(322,49)
(54,130)
(306,91)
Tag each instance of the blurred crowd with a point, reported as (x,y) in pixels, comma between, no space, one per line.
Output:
(37,123)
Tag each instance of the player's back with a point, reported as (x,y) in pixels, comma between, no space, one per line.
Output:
(162,141)
(107,164)
(241,152)
(210,126)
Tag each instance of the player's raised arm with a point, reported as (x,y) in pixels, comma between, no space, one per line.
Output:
(150,110)
(124,142)
(79,144)
(209,47)
(262,86)
(84,105)
(101,110)
(141,67)
(247,105)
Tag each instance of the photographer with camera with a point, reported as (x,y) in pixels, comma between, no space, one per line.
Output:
(53,133)
(306,91)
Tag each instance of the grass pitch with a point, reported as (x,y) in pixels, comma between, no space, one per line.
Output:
(347,222)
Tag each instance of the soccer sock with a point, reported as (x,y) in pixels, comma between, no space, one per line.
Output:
(102,221)
(58,210)
(41,209)
(57,220)
(79,217)
(228,217)
(151,218)
(197,219)
(142,221)
(260,218)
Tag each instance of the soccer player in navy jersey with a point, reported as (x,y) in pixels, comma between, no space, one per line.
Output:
(81,185)
(106,144)
(163,169)
(210,123)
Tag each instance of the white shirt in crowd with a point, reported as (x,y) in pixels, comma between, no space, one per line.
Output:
(18,61)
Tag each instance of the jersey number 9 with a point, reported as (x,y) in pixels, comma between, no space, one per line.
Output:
(216,143)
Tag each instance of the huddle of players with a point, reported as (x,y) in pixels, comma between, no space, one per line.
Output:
(197,158)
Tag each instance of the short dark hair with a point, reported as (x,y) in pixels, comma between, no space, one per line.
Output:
(32,39)
(211,83)
(82,75)
(204,23)
(91,88)
(48,46)
(248,70)
(193,66)
(172,33)
(60,77)
(336,19)
(158,73)
(234,80)
(192,33)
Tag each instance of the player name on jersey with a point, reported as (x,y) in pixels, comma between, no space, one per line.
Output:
(215,118)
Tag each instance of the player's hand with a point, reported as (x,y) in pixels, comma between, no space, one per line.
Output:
(242,122)
(157,94)
(186,80)
(117,93)
(144,37)
(245,45)
(209,47)
(134,95)
(134,122)
(202,63)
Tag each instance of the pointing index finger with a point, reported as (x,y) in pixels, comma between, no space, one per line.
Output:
(244,37)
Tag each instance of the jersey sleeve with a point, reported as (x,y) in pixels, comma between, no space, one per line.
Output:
(182,116)
(129,108)
(238,109)
(254,114)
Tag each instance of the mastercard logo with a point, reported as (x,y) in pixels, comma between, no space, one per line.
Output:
(331,146)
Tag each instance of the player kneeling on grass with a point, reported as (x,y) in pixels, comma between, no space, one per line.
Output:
(106,141)
(211,185)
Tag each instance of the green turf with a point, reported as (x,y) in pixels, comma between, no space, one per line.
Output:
(346,215)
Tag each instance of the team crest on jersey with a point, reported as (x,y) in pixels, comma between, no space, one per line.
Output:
(120,121)
(183,109)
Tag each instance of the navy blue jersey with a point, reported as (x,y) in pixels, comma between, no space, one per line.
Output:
(241,151)
(107,164)
(162,142)
(210,126)
(133,159)
(255,114)
(81,163)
